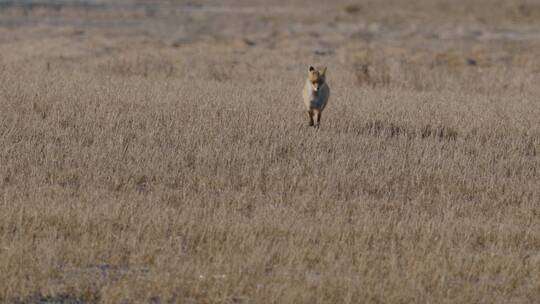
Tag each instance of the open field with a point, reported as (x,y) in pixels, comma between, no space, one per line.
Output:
(156,152)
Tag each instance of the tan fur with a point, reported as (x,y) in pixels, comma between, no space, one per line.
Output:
(316,93)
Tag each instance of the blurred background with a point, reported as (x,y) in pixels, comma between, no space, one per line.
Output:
(374,40)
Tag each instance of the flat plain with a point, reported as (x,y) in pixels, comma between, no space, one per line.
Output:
(156,152)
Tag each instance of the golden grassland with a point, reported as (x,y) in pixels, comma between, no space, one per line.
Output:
(169,161)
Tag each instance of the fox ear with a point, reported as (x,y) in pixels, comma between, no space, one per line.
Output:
(323,71)
(311,68)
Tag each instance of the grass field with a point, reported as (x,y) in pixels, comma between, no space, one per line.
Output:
(156,152)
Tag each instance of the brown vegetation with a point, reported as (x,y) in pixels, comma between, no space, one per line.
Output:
(161,155)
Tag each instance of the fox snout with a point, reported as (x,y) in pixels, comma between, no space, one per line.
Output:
(315,86)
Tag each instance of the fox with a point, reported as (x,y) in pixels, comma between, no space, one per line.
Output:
(316,93)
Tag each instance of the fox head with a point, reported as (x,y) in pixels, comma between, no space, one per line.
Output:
(317,77)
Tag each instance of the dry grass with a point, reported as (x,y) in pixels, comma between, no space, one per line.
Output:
(138,167)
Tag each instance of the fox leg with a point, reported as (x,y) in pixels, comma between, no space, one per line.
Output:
(310,118)
(317,114)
